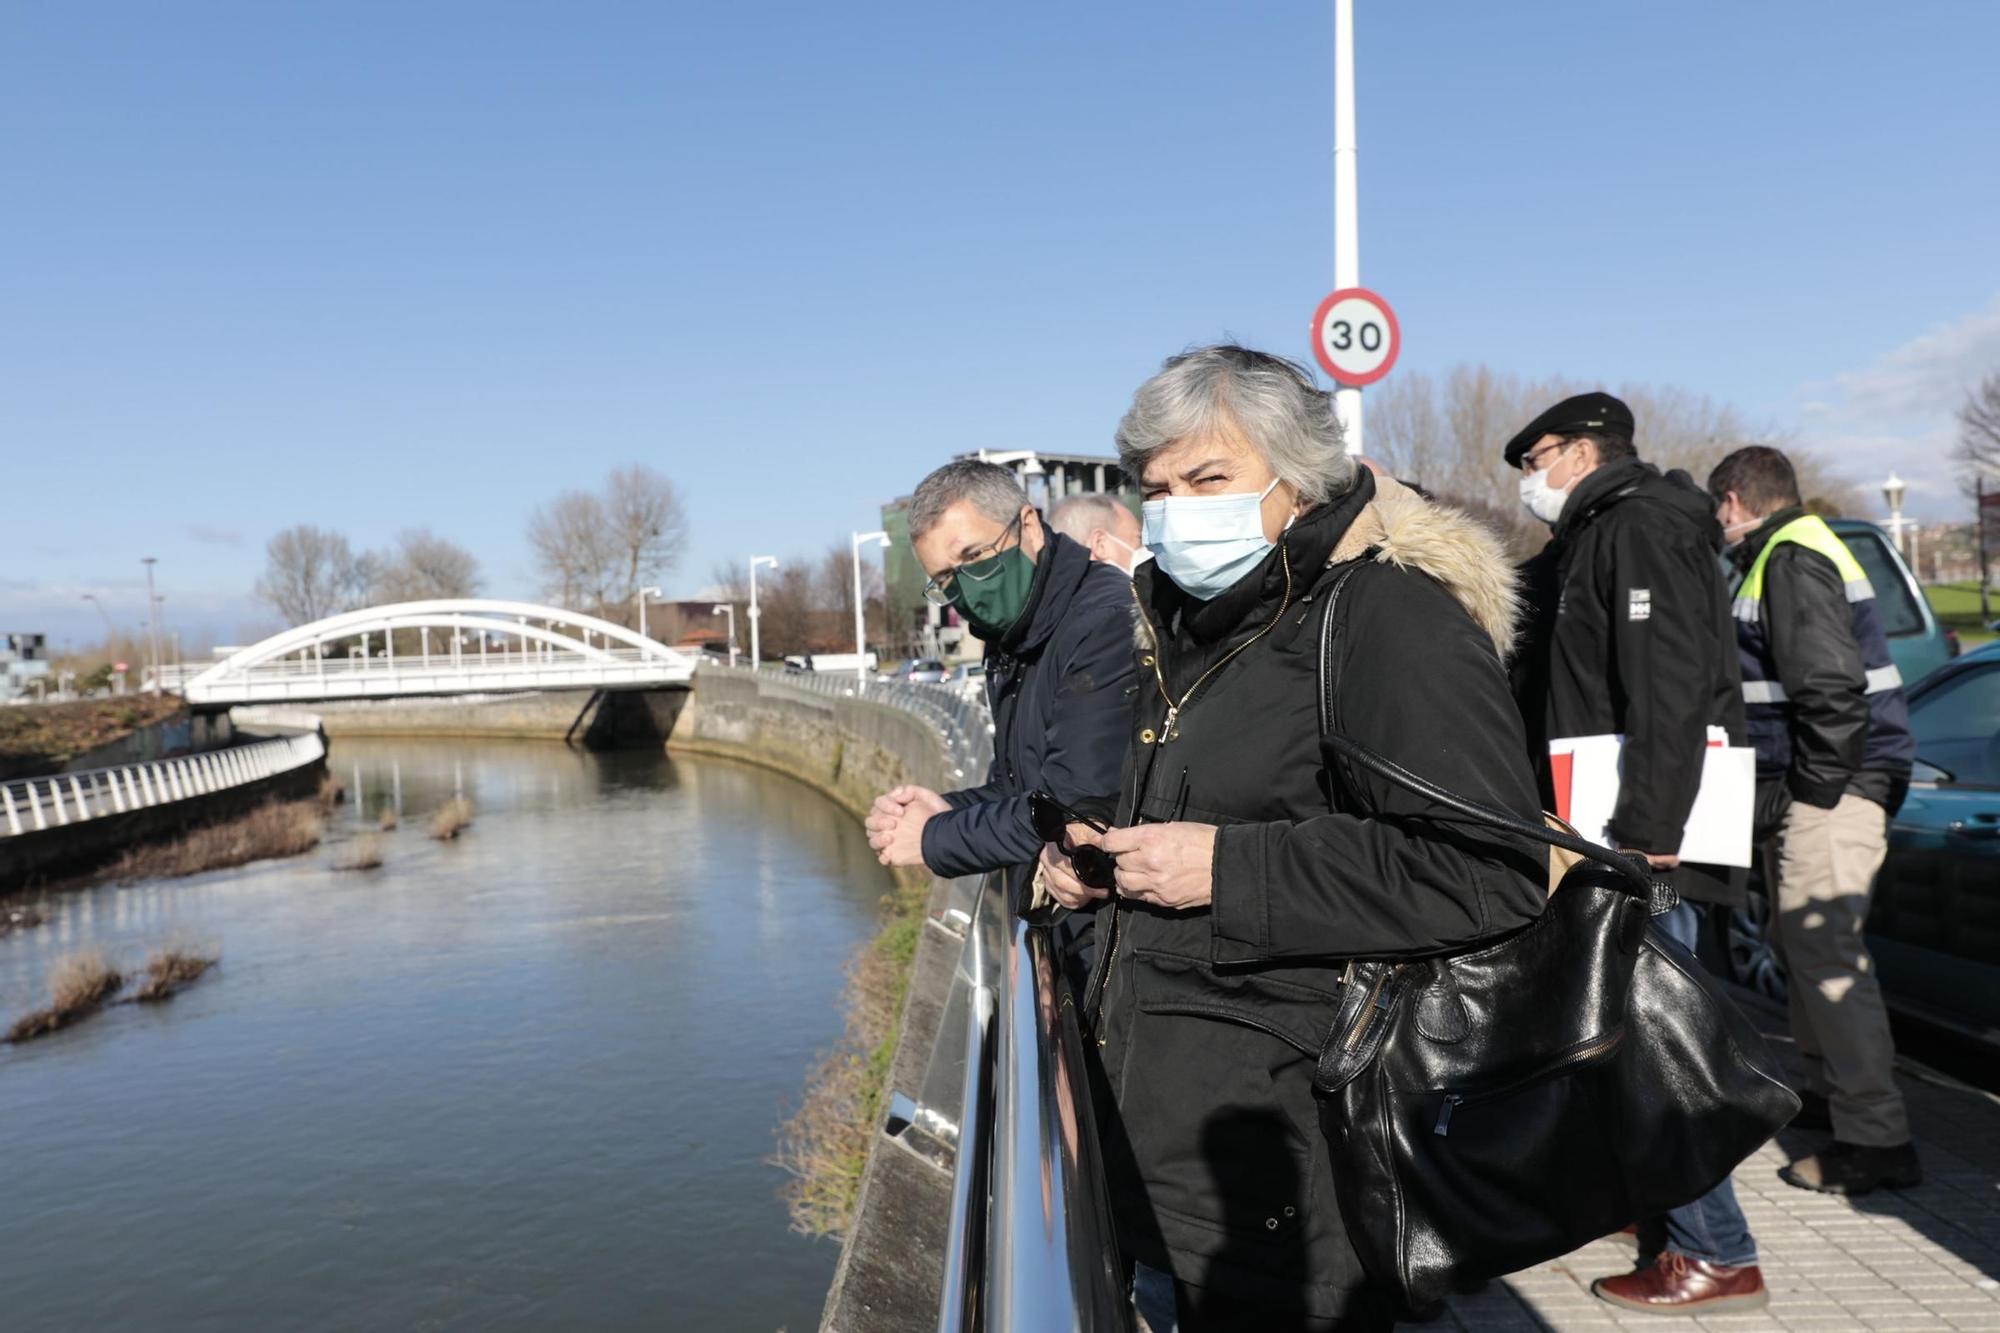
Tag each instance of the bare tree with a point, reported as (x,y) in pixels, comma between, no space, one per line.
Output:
(649,528)
(1447,436)
(833,588)
(310,573)
(424,567)
(574,552)
(786,600)
(1979,429)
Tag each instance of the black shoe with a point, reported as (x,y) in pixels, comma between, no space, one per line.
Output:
(1814,1113)
(1851,1168)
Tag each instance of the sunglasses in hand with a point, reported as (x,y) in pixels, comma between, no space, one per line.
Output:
(1093,865)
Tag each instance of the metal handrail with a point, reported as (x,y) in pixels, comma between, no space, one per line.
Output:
(1030,1245)
(29,805)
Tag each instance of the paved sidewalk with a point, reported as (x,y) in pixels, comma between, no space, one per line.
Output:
(1927,1258)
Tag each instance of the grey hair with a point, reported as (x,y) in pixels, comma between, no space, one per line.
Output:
(1271,401)
(1077,516)
(990,488)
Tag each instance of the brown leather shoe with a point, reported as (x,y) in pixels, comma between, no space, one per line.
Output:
(1678,1285)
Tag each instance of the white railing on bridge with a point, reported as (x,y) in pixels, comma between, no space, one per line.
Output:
(29,805)
(462,646)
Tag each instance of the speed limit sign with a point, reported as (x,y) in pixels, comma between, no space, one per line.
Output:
(1356,337)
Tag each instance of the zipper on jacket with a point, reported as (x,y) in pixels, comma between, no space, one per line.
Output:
(1589,1051)
(1167,734)
(1174,707)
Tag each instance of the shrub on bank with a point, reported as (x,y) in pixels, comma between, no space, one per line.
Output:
(79,983)
(276,828)
(170,970)
(451,819)
(363,853)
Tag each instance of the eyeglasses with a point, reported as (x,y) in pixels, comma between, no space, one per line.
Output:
(1093,865)
(1531,461)
(937,588)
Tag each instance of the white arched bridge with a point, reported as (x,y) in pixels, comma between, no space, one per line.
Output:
(459,646)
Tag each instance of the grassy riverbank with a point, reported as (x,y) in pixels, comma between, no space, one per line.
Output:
(41,738)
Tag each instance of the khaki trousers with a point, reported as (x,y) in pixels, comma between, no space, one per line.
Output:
(1827,861)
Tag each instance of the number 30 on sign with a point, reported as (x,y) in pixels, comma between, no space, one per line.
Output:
(1355,337)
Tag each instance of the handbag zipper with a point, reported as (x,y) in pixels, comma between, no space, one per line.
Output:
(1589,1051)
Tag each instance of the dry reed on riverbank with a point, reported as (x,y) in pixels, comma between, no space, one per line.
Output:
(451,819)
(387,823)
(364,853)
(20,918)
(824,1145)
(79,983)
(172,969)
(276,828)
(331,792)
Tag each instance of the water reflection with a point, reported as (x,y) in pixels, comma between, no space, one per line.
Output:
(523,1079)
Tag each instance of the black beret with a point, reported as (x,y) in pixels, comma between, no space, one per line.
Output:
(1573,416)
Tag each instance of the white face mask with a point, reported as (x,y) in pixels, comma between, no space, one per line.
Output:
(1138,555)
(1205,543)
(1543,500)
(1736,532)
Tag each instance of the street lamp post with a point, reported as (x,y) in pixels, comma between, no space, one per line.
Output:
(860,632)
(644,593)
(109,633)
(1892,494)
(756,645)
(726,608)
(152,618)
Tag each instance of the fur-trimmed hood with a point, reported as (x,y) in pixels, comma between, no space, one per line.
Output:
(1448,544)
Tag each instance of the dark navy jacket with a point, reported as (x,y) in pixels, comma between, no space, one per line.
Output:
(1060,686)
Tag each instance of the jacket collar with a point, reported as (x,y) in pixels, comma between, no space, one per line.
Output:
(1058,573)
(1744,554)
(1605,487)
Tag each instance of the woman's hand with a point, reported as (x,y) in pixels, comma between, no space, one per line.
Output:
(1060,878)
(1167,865)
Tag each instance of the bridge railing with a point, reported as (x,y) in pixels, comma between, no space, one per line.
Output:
(1030,1244)
(29,805)
(960,720)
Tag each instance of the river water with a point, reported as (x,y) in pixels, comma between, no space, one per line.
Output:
(527,1079)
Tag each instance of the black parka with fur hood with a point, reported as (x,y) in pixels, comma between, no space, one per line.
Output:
(1207,1022)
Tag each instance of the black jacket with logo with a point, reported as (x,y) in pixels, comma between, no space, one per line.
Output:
(1630,632)
(1208,1021)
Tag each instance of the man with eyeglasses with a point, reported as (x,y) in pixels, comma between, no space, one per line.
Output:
(1630,633)
(1059,673)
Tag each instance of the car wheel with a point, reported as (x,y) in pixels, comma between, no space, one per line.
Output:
(1750,958)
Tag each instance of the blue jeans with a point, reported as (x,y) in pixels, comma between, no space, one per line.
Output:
(1153,1298)
(1712,1228)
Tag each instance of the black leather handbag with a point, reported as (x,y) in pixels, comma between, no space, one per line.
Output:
(1493,1109)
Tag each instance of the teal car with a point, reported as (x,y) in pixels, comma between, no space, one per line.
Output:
(1916,641)
(1934,924)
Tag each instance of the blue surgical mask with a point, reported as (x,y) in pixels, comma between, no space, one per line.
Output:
(1205,543)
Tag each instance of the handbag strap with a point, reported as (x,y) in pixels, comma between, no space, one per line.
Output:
(1659,897)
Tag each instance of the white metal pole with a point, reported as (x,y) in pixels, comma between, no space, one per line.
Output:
(1346,232)
(152,618)
(756,644)
(860,631)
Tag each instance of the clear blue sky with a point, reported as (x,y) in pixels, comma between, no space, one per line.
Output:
(383,265)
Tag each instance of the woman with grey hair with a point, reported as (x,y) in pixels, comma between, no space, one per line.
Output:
(1251,865)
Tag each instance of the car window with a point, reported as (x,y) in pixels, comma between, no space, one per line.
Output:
(1893,601)
(1957,726)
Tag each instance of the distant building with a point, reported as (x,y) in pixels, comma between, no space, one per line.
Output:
(919,629)
(23,658)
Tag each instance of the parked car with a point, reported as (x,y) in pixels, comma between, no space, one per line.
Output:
(1934,925)
(1917,642)
(917,671)
(967,676)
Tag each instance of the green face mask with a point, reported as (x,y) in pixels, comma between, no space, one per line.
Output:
(992,593)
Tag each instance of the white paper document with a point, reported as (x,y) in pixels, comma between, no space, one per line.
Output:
(1587,772)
